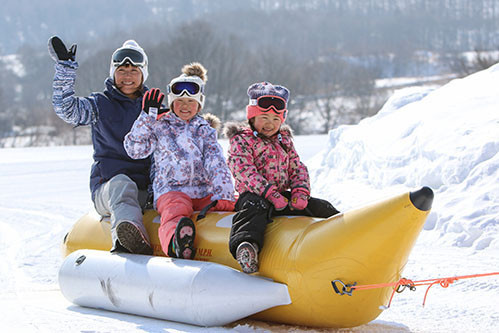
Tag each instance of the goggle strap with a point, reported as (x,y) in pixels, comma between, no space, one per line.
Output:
(184,92)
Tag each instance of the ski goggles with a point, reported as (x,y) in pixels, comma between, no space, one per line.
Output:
(126,55)
(191,88)
(267,102)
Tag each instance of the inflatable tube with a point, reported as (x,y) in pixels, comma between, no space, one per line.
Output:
(193,292)
(367,245)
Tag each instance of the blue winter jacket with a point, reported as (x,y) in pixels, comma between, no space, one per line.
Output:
(111,115)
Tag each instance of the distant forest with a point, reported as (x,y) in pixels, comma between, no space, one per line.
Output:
(328,53)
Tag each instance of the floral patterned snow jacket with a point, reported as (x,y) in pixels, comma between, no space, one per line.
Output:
(187,156)
(257,162)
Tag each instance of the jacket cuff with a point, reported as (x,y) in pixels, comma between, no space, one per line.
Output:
(301,189)
(68,63)
(269,190)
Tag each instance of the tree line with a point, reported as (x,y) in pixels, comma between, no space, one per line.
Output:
(232,67)
(328,53)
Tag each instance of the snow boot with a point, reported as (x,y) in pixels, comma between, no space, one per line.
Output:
(247,257)
(131,239)
(182,243)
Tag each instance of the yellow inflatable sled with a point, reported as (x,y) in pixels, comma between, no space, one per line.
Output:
(367,245)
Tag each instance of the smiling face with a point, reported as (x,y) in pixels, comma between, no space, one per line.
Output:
(267,124)
(128,79)
(185,108)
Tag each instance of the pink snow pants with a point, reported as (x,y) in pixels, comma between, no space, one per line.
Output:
(172,206)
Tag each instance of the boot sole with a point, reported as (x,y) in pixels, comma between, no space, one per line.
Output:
(182,245)
(247,257)
(131,239)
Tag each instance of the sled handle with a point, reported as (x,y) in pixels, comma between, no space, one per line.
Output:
(204,211)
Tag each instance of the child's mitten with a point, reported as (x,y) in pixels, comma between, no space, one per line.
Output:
(276,198)
(299,198)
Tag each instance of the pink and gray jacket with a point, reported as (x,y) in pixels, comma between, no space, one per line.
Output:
(187,156)
(257,162)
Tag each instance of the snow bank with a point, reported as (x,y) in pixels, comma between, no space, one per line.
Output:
(446,138)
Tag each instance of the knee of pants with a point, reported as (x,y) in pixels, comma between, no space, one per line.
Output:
(121,186)
(252,201)
(117,192)
(174,204)
(321,208)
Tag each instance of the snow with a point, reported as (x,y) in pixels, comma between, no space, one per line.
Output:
(445,138)
(411,81)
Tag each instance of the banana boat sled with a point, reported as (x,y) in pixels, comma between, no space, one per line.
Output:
(301,261)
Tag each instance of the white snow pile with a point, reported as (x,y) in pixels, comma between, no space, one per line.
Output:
(447,139)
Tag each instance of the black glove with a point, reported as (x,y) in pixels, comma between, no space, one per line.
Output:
(151,102)
(58,51)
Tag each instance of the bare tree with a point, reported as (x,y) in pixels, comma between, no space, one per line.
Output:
(230,69)
(10,104)
(340,89)
(466,64)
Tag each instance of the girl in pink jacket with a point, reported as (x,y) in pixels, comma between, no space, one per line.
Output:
(189,164)
(268,173)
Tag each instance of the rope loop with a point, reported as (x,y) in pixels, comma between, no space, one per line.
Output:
(402,284)
(447,282)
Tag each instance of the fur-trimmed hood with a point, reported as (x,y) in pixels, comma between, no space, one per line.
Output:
(213,120)
(233,128)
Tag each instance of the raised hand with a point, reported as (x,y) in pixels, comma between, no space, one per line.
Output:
(58,51)
(151,102)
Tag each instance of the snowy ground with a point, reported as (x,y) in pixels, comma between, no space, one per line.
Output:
(446,139)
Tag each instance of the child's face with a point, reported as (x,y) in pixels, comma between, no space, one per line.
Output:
(185,108)
(128,79)
(267,124)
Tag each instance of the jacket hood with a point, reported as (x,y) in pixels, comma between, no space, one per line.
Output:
(213,120)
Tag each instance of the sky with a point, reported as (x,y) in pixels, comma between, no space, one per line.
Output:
(446,138)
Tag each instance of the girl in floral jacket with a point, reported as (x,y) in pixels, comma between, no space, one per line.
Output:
(190,168)
(268,173)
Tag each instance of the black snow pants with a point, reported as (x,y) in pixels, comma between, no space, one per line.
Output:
(254,212)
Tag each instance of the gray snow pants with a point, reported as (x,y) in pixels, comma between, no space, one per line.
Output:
(121,200)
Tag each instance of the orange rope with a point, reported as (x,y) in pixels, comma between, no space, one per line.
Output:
(444,282)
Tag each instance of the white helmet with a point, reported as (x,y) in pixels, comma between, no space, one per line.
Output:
(186,86)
